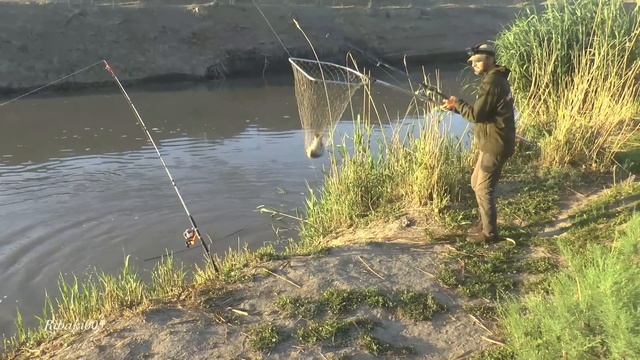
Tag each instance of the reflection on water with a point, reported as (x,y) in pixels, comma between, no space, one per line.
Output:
(81,187)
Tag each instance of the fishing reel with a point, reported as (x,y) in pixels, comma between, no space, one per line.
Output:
(190,237)
(430,91)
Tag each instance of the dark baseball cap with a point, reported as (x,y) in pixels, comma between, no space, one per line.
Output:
(478,51)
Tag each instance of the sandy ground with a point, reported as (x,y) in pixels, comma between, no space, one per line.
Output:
(214,331)
(391,256)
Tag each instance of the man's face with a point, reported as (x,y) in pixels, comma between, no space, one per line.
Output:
(481,64)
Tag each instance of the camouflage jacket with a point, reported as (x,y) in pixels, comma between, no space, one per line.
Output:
(492,114)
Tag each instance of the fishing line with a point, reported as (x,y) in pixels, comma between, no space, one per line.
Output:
(271,27)
(50,84)
(379,63)
(189,234)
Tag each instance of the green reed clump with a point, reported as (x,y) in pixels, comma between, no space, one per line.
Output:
(167,279)
(538,47)
(369,180)
(96,298)
(432,167)
(356,186)
(99,295)
(125,290)
(574,76)
(234,266)
(25,337)
(264,337)
(589,310)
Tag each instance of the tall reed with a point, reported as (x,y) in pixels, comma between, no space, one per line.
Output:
(575,70)
(371,179)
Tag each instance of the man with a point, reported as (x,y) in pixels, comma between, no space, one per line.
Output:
(494,132)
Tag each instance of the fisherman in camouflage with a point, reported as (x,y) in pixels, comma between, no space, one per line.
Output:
(494,133)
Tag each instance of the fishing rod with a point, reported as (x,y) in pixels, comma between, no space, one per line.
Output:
(420,94)
(427,88)
(379,63)
(191,235)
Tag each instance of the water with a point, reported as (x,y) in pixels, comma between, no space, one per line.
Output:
(81,187)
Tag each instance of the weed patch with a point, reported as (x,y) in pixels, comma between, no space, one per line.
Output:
(419,306)
(299,307)
(377,347)
(589,308)
(264,337)
(333,330)
(538,265)
(339,301)
(480,272)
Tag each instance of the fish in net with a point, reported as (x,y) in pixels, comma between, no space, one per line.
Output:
(323,91)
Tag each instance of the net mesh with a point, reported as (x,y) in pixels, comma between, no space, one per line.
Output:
(323,91)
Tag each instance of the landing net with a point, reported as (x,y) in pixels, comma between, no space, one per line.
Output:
(323,91)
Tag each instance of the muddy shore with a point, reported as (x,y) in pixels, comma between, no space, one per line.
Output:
(177,40)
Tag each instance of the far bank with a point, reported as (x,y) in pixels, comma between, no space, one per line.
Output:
(172,39)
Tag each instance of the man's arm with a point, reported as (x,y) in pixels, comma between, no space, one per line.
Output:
(483,110)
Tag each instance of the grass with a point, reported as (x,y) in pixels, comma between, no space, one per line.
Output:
(625,191)
(536,191)
(329,318)
(299,307)
(598,221)
(264,337)
(479,272)
(235,265)
(590,310)
(339,301)
(501,353)
(578,98)
(377,299)
(419,306)
(629,155)
(371,179)
(413,305)
(574,76)
(99,296)
(333,330)
(377,347)
(167,280)
(484,310)
(540,265)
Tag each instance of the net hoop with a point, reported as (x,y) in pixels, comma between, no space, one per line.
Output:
(323,91)
(295,62)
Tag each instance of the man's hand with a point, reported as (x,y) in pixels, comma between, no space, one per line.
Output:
(450,103)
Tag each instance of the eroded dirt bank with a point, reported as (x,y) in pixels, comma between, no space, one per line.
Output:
(164,39)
